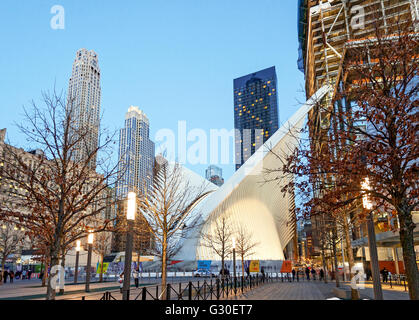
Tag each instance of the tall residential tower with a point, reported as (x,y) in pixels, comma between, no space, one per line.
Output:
(255,112)
(136,154)
(84,103)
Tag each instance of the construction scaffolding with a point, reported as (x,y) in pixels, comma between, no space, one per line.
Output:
(325,26)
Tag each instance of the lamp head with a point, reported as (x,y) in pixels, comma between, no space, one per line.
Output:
(90,238)
(132,205)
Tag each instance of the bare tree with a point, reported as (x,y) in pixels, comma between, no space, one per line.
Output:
(101,247)
(370,131)
(167,208)
(57,196)
(219,240)
(245,245)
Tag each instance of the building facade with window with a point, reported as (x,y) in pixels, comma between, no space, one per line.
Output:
(136,154)
(255,112)
(84,95)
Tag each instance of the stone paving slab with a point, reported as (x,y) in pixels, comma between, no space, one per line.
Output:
(310,290)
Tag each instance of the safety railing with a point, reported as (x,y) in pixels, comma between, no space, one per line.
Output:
(211,289)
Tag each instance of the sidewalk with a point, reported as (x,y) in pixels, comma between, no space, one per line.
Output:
(310,290)
(32,289)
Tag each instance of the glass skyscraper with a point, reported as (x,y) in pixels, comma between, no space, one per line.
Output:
(136,154)
(255,112)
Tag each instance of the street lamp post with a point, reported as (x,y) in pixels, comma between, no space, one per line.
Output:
(89,260)
(375,268)
(76,271)
(131,210)
(234,265)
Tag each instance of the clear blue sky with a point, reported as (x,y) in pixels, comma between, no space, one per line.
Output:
(175,59)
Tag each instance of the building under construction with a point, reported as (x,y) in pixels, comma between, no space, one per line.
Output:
(325,29)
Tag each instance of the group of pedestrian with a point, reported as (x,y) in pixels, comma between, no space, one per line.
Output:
(384,273)
(135,275)
(8,275)
(11,275)
(314,273)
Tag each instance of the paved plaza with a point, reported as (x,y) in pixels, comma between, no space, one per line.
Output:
(302,290)
(312,290)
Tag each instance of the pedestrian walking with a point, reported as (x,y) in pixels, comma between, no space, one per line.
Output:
(384,273)
(263,274)
(293,274)
(23,274)
(135,275)
(368,273)
(30,274)
(321,274)
(5,275)
(11,275)
(307,273)
(121,281)
(313,273)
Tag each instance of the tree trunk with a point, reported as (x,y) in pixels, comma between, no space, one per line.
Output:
(163,270)
(2,270)
(54,260)
(222,267)
(350,256)
(409,255)
(45,276)
(63,270)
(50,290)
(242,269)
(324,266)
(334,231)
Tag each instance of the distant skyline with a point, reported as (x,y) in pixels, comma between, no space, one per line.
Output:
(176,59)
